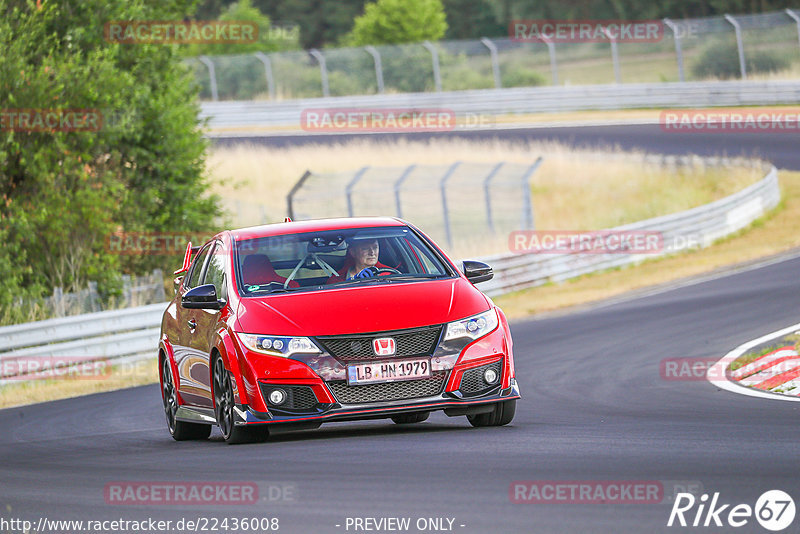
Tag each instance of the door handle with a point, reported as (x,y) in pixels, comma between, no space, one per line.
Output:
(192,324)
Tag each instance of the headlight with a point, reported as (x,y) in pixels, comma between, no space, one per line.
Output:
(278,345)
(472,327)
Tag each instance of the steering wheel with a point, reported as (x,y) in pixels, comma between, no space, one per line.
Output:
(369,272)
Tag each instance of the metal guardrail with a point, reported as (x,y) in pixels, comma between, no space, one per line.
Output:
(134,332)
(703,224)
(235,118)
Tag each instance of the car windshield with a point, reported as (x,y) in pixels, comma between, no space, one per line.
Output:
(334,258)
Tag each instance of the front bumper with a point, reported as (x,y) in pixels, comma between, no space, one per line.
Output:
(448,401)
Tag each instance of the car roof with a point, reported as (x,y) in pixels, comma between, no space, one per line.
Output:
(313,225)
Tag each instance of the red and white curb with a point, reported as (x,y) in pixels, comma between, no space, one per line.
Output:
(775,375)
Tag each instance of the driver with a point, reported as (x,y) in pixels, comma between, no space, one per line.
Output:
(361,257)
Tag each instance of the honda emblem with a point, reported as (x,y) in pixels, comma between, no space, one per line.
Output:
(384,346)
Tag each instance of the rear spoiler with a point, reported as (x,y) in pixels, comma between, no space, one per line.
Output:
(187,258)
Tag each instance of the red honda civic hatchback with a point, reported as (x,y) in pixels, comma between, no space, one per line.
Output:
(301,323)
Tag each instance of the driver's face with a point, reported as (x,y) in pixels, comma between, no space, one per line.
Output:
(365,253)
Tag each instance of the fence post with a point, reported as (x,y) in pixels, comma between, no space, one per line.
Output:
(212,74)
(160,293)
(323,71)
(796,18)
(58,302)
(487,194)
(527,204)
(93,297)
(614,55)
(349,189)
(437,77)
(295,189)
(551,50)
(495,63)
(376,57)
(678,48)
(739,44)
(397,185)
(268,73)
(445,211)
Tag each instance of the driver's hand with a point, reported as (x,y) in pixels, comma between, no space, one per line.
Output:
(369,272)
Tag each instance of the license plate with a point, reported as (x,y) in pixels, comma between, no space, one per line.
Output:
(374,372)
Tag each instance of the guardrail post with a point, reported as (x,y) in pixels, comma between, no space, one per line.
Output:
(349,189)
(212,75)
(445,211)
(796,18)
(614,55)
(739,44)
(267,73)
(323,71)
(437,77)
(495,63)
(551,50)
(527,203)
(295,189)
(487,194)
(678,48)
(376,57)
(397,185)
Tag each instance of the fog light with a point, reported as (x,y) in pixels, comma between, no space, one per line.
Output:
(490,376)
(277,397)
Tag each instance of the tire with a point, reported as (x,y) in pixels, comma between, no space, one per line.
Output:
(179,430)
(223,410)
(410,418)
(502,414)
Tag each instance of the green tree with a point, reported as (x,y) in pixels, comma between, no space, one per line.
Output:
(270,39)
(399,21)
(63,192)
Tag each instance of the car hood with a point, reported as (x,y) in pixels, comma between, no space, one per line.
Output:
(373,308)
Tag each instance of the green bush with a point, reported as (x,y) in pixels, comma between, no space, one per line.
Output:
(63,192)
(521,77)
(721,60)
(398,22)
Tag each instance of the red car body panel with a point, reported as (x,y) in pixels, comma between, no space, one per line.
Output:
(335,311)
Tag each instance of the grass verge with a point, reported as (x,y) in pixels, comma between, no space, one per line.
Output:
(773,234)
(120,377)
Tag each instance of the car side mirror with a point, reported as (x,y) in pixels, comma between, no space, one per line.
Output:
(203,298)
(477,271)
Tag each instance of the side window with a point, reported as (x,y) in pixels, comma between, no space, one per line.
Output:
(215,272)
(424,260)
(197,268)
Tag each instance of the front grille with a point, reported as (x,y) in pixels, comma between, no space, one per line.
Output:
(413,342)
(388,391)
(297,397)
(472,380)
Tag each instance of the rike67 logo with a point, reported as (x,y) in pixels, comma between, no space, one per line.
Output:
(774,510)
